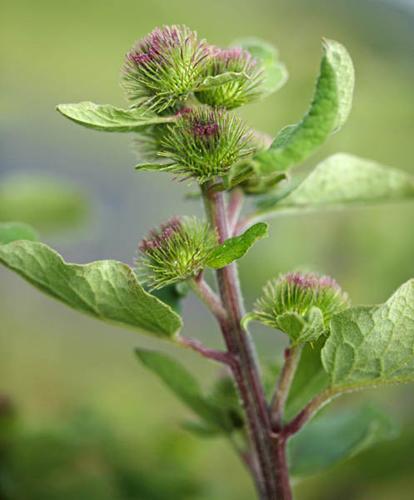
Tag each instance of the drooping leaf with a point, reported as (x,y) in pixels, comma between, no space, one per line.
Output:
(344,180)
(13,231)
(329,439)
(181,382)
(107,290)
(47,204)
(275,71)
(108,118)
(310,379)
(328,111)
(372,346)
(234,248)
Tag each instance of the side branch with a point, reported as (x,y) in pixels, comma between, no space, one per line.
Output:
(292,356)
(213,354)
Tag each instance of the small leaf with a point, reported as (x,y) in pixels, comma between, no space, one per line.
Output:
(107,290)
(48,204)
(217,80)
(329,110)
(344,180)
(234,248)
(181,382)
(108,118)
(13,231)
(372,346)
(310,379)
(329,439)
(275,71)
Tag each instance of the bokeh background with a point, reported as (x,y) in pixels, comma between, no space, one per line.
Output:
(91,423)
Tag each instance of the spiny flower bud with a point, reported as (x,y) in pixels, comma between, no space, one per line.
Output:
(300,305)
(243,88)
(162,68)
(176,252)
(205,143)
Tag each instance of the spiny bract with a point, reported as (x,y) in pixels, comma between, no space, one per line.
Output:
(204,143)
(176,252)
(243,88)
(300,305)
(164,67)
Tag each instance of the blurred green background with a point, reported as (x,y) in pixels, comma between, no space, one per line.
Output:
(91,423)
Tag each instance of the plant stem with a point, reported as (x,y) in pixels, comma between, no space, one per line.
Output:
(209,297)
(292,356)
(206,352)
(234,209)
(245,369)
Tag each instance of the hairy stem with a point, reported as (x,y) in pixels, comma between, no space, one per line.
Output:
(245,369)
(234,209)
(292,356)
(209,297)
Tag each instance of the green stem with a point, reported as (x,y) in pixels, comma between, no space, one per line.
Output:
(292,356)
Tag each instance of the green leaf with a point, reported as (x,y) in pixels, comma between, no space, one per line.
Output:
(341,181)
(372,346)
(217,80)
(107,290)
(180,381)
(234,248)
(108,118)
(275,71)
(12,231)
(47,204)
(329,439)
(328,111)
(310,379)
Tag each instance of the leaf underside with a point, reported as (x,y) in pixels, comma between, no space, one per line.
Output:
(328,112)
(108,118)
(372,346)
(107,290)
(342,181)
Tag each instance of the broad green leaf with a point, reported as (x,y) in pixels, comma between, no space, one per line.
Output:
(180,381)
(344,180)
(328,111)
(275,71)
(371,346)
(234,248)
(13,231)
(107,290)
(329,439)
(108,118)
(47,204)
(215,81)
(310,379)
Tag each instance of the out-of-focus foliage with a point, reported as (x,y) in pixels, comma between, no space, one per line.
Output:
(81,459)
(47,204)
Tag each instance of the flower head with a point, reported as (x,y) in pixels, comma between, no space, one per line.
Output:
(204,143)
(175,252)
(162,68)
(245,85)
(300,305)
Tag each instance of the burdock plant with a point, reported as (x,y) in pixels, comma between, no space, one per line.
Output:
(183,95)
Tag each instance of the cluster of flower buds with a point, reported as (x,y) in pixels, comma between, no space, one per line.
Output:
(175,252)
(205,142)
(300,305)
(164,67)
(242,88)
